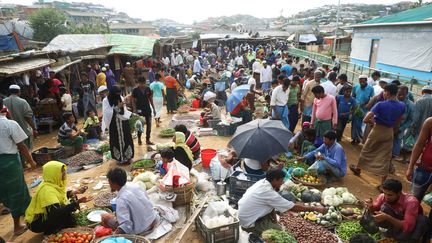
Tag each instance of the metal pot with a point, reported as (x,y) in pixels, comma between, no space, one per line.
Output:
(221,188)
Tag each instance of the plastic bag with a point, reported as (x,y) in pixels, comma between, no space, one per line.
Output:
(101,231)
(368,223)
(177,174)
(317,168)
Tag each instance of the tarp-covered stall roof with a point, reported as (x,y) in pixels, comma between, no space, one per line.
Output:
(21,66)
(131,44)
(77,42)
(57,69)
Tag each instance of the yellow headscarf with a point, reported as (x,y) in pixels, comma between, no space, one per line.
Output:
(51,191)
(180,140)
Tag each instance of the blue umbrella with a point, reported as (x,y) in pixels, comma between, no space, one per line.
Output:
(261,139)
(236,97)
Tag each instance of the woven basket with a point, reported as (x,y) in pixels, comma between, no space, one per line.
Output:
(184,193)
(133,238)
(43,155)
(321,184)
(82,230)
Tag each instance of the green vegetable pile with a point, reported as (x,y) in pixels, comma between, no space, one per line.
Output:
(347,229)
(145,163)
(81,216)
(104,148)
(292,162)
(276,236)
(168,132)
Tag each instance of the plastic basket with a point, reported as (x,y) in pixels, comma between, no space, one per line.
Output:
(213,123)
(225,233)
(237,187)
(43,155)
(133,238)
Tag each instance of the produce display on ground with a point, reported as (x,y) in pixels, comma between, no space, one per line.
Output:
(84,158)
(81,216)
(347,229)
(144,163)
(168,132)
(351,212)
(70,237)
(103,199)
(136,172)
(306,232)
(308,178)
(277,236)
(103,148)
(146,180)
(331,218)
(337,196)
(292,162)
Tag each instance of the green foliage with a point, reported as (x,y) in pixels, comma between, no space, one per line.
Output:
(89,28)
(47,23)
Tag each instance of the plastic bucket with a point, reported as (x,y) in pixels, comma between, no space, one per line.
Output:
(195,103)
(206,156)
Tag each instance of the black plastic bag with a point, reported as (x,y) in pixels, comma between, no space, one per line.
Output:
(368,222)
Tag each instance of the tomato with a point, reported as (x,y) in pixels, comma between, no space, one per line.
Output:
(89,237)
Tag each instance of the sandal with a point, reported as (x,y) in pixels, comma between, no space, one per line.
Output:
(355,170)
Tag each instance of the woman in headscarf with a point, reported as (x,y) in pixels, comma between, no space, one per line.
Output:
(51,209)
(182,152)
(121,143)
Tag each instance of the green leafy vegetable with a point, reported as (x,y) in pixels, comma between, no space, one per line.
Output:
(145,163)
(276,236)
(346,230)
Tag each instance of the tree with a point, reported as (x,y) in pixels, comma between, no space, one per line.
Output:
(89,28)
(47,23)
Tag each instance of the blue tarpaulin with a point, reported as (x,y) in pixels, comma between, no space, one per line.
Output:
(8,43)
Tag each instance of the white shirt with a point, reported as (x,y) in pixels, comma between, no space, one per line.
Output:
(258,201)
(197,66)
(257,66)
(338,88)
(377,89)
(10,134)
(66,100)
(266,74)
(179,59)
(329,88)
(251,81)
(239,60)
(279,96)
(218,172)
(166,61)
(371,82)
(253,164)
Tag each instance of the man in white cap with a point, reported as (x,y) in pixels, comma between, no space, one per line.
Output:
(422,110)
(266,77)
(22,113)
(101,78)
(362,92)
(212,111)
(129,75)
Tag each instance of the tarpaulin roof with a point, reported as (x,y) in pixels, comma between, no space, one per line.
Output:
(306,38)
(132,45)
(121,44)
(16,67)
(419,14)
(76,42)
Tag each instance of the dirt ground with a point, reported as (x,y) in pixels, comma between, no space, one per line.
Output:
(363,187)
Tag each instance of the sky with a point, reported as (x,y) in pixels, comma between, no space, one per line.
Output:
(188,11)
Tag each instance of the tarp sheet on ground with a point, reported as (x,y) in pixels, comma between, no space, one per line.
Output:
(121,44)
(132,45)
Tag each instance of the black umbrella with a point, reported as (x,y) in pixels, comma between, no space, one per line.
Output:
(261,139)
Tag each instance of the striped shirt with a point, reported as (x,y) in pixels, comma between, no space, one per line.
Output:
(192,142)
(65,130)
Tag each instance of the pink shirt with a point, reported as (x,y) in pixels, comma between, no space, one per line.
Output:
(325,109)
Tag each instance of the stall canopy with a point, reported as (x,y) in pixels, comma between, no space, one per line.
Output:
(57,69)
(21,66)
(131,45)
(307,38)
(77,42)
(121,44)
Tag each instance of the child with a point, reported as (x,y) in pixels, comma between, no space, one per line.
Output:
(92,126)
(297,141)
(66,101)
(139,127)
(69,135)
(345,105)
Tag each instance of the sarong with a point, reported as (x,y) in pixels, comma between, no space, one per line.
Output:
(13,189)
(158,105)
(322,126)
(171,99)
(283,114)
(376,154)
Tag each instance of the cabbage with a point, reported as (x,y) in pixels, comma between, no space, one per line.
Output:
(140,184)
(148,185)
(329,191)
(349,198)
(341,190)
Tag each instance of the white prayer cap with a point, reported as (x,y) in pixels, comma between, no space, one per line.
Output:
(128,63)
(102,88)
(363,76)
(209,95)
(14,86)
(103,69)
(106,65)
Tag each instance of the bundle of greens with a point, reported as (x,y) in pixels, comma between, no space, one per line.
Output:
(276,236)
(144,163)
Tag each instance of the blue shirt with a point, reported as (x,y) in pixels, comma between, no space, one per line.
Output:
(334,155)
(343,105)
(287,68)
(387,112)
(156,88)
(362,96)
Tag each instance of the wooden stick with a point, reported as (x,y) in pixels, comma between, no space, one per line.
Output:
(190,221)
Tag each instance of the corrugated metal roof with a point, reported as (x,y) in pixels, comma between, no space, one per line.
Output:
(20,66)
(423,13)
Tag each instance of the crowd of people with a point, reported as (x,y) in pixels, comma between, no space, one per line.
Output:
(383,114)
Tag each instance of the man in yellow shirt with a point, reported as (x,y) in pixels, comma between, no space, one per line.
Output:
(101,78)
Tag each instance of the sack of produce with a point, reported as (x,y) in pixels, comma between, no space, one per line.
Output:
(368,223)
